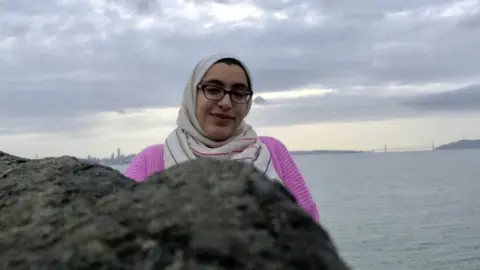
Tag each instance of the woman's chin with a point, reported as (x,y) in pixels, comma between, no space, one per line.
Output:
(220,133)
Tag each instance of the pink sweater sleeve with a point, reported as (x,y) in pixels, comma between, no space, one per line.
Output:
(292,177)
(145,163)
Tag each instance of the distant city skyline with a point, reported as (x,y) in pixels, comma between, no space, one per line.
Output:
(113,159)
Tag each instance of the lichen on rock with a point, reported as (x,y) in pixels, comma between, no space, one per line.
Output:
(60,213)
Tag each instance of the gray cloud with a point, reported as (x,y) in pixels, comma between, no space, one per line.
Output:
(70,59)
(351,107)
(333,108)
(467,98)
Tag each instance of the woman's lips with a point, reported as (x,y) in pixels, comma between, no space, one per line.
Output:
(223,116)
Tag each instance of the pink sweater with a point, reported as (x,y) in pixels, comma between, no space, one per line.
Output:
(150,161)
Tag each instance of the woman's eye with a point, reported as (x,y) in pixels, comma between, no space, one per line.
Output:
(214,90)
(241,93)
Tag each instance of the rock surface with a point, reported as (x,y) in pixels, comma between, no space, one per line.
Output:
(59,213)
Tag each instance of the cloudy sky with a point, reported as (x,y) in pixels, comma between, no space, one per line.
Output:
(84,77)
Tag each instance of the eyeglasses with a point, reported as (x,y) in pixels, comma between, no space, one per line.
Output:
(216,93)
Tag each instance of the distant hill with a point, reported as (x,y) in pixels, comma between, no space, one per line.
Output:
(462,144)
(259,101)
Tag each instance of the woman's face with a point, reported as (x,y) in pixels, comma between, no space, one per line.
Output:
(219,119)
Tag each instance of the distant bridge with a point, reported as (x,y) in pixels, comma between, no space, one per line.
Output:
(404,149)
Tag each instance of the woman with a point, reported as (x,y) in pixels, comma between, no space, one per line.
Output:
(210,123)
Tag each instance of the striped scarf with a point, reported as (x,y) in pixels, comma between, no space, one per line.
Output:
(188,141)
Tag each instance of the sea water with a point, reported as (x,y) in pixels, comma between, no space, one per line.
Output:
(400,211)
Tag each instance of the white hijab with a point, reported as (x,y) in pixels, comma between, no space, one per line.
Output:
(188,141)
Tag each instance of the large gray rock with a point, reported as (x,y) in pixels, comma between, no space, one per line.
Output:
(59,213)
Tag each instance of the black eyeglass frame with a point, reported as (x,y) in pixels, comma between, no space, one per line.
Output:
(202,86)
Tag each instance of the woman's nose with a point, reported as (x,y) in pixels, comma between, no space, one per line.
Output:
(226,102)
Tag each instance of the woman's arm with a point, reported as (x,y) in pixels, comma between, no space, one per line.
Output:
(144,163)
(294,180)
(137,169)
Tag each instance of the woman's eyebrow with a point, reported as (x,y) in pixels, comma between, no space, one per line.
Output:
(218,82)
(214,81)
